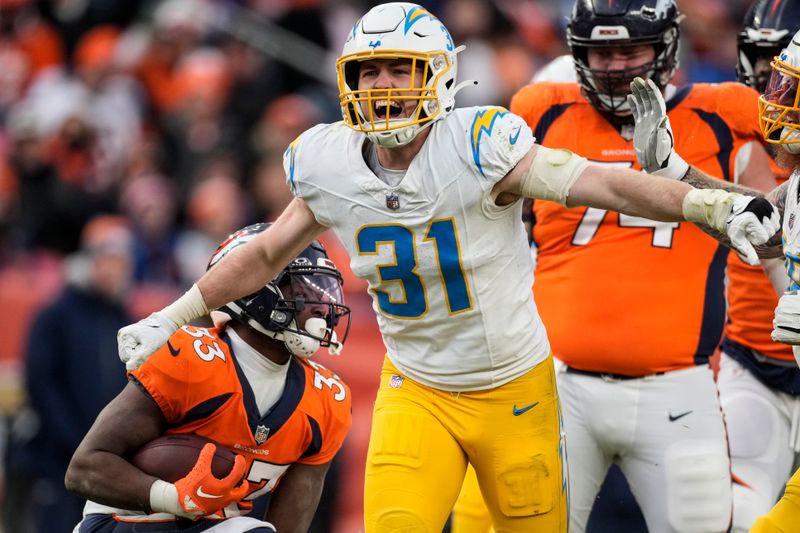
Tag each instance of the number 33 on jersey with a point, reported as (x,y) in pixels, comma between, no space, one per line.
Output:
(198,384)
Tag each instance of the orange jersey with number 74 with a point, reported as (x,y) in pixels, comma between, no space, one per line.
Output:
(199,386)
(621,294)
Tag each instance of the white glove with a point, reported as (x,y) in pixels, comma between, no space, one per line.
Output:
(786,323)
(138,341)
(653,141)
(752,221)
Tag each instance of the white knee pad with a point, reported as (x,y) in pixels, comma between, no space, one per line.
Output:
(699,494)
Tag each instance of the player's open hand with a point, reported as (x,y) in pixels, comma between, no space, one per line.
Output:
(751,221)
(653,141)
(138,341)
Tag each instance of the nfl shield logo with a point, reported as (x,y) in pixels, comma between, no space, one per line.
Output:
(392,201)
(791,220)
(396,382)
(261,434)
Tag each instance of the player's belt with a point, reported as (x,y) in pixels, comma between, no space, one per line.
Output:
(606,376)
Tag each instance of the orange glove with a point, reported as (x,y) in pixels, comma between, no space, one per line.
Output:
(200,493)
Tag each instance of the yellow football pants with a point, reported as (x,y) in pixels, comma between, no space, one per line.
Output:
(470,514)
(422,440)
(784,517)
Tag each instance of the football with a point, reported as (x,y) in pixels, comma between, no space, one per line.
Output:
(171,457)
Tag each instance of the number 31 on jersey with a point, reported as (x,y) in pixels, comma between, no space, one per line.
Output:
(442,235)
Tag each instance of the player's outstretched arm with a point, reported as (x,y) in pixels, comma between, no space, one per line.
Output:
(237,275)
(560,175)
(295,500)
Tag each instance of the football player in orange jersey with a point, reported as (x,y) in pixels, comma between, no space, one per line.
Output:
(637,389)
(246,383)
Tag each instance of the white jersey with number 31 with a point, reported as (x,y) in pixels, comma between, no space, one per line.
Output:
(450,273)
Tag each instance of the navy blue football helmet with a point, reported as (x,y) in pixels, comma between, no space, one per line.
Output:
(303,306)
(767,29)
(615,23)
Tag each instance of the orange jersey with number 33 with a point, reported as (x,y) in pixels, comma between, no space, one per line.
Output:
(622,294)
(201,389)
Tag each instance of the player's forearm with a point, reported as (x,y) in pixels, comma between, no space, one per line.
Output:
(700,180)
(776,272)
(108,479)
(260,260)
(629,192)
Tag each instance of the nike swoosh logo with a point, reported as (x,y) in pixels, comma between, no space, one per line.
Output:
(525,409)
(673,418)
(172,350)
(513,138)
(204,494)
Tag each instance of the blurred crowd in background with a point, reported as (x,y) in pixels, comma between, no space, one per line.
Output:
(136,135)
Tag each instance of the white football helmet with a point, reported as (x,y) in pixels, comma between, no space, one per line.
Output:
(779,106)
(404,31)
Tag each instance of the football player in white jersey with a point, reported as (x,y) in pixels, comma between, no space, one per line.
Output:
(427,200)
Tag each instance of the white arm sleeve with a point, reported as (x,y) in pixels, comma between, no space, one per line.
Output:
(552,174)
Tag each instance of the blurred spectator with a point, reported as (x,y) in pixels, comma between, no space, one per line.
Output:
(28,45)
(100,94)
(55,176)
(216,209)
(9,187)
(269,190)
(149,201)
(711,52)
(284,119)
(197,130)
(72,371)
(178,27)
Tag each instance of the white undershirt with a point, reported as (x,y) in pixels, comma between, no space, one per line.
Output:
(389,176)
(267,379)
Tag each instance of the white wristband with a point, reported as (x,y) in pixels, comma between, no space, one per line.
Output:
(675,169)
(164,498)
(186,308)
(711,207)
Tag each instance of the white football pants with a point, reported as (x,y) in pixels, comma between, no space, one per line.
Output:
(667,434)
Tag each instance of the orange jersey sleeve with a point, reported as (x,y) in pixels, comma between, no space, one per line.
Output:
(199,386)
(623,294)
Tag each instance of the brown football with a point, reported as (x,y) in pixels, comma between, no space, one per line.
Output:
(171,457)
